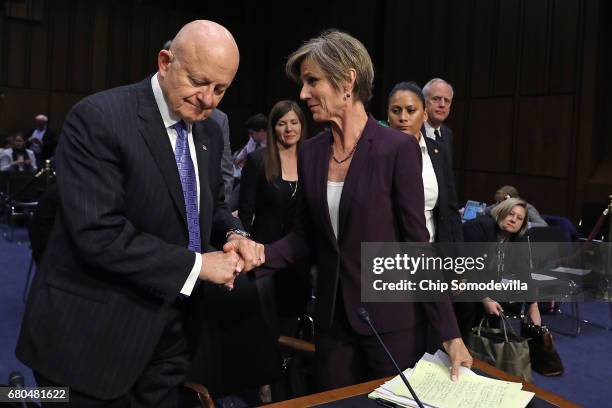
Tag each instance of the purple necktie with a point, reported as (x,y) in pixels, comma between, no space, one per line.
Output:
(188,182)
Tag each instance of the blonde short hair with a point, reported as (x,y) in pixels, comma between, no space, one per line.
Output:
(502,209)
(336,52)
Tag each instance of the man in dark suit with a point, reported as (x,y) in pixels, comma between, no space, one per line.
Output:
(140,193)
(438,99)
(41,140)
(227,163)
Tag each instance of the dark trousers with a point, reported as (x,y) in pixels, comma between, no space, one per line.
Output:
(157,385)
(344,357)
(468,315)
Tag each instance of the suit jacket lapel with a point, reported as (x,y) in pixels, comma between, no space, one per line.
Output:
(435,154)
(356,168)
(321,167)
(154,133)
(201,141)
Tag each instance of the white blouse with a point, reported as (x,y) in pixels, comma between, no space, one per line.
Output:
(334,192)
(430,187)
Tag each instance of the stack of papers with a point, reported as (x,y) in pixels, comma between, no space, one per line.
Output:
(572,271)
(430,380)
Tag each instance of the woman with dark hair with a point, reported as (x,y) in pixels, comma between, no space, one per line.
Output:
(356,185)
(406,112)
(268,202)
(18,158)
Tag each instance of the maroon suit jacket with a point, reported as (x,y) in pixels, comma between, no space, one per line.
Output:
(382,201)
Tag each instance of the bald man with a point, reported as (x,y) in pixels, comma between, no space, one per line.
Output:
(140,193)
(41,140)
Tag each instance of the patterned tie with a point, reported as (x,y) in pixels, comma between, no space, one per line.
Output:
(188,182)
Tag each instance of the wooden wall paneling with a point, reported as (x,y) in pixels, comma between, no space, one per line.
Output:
(19,106)
(573,80)
(397,48)
(82,36)
(3,53)
(31,10)
(39,52)
(141,58)
(566,15)
(419,49)
(100,46)
(279,86)
(603,133)
(60,17)
(480,186)
(119,44)
(373,40)
(456,122)
(489,138)
(534,47)
(16,52)
(60,105)
(482,47)
(158,33)
(506,54)
(587,190)
(543,136)
(458,21)
(548,195)
(436,34)
(152,43)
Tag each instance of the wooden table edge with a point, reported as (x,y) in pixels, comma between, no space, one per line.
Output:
(367,387)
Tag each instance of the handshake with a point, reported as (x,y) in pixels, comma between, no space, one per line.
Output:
(239,254)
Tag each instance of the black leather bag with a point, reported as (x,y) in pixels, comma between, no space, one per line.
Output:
(542,353)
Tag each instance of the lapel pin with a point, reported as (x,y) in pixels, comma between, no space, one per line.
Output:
(436,151)
(204,147)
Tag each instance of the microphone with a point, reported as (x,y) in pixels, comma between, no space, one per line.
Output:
(365,317)
(16,380)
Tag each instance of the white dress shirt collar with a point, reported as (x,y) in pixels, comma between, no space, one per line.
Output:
(169,118)
(429,131)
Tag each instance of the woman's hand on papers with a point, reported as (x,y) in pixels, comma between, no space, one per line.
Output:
(458,354)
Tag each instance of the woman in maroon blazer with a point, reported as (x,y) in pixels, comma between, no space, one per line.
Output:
(359,182)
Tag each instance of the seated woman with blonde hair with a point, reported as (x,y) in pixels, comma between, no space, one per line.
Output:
(507,222)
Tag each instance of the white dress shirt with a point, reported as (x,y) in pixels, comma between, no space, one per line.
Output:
(429,130)
(430,188)
(37,134)
(170,119)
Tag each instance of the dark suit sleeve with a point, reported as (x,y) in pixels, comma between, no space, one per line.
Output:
(90,182)
(453,217)
(227,166)
(223,220)
(474,231)
(409,198)
(449,141)
(248,191)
